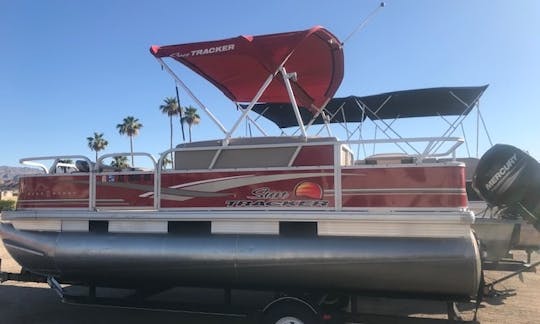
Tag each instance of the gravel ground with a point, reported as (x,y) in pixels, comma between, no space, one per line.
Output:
(517,301)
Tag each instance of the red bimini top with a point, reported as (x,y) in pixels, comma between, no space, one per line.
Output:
(239,66)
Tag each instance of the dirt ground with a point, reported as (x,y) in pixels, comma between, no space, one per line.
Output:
(517,301)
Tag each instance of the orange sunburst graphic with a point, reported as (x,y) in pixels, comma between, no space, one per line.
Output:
(308,189)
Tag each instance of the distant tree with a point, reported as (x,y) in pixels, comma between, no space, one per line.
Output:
(130,127)
(170,108)
(191,118)
(120,162)
(166,161)
(97,143)
(7,205)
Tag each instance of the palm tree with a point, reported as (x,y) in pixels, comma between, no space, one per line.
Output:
(97,143)
(120,162)
(130,127)
(170,108)
(191,118)
(166,161)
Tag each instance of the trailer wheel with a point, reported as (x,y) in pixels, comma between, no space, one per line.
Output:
(289,310)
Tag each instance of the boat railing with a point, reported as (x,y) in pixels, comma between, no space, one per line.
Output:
(155,170)
(337,166)
(428,151)
(158,165)
(100,165)
(56,160)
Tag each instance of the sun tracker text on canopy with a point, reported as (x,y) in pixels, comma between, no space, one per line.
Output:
(239,66)
(442,101)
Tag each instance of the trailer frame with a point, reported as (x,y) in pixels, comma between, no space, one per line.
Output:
(282,302)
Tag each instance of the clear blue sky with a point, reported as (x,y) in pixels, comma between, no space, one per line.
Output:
(69,68)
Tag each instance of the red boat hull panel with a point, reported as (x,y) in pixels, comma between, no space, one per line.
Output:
(361,187)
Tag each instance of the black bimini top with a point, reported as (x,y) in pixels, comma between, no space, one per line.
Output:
(444,101)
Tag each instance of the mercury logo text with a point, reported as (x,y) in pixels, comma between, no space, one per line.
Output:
(502,171)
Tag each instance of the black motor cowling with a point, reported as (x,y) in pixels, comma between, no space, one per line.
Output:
(507,177)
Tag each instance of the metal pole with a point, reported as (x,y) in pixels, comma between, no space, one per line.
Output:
(254,122)
(466,143)
(477,127)
(326,121)
(181,112)
(485,128)
(363,23)
(249,107)
(530,266)
(317,114)
(286,78)
(388,126)
(460,119)
(188,91)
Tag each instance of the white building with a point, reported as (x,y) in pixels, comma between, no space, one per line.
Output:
(8,195)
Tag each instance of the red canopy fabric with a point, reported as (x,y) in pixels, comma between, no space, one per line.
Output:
(239,66)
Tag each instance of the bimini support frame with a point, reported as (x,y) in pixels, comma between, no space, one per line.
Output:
(191,95)
(434,146)
(229,133)
(388,125)
(261,91)
(287,79)
(253,121)
(459,120)
(325,117)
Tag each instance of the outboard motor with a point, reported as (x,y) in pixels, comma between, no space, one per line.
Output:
(509,178)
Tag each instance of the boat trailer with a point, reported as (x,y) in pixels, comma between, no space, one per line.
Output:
(303,307)
(489,288)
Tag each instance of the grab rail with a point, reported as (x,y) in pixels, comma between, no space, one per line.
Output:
(91,180)
(113,155)
(425,154)
(155,171)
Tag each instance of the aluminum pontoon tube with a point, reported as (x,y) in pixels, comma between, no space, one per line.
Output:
(437,266)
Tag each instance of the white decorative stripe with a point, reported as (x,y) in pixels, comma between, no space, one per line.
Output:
(325,228)
(245,227)
(196,185)
(400,190)
(48,209)
(402,193)
(46,225)
(135,226)
(255,179)
(234,182)
(68,200)
(75,226)
(391,229)
(412,215)
(202,184)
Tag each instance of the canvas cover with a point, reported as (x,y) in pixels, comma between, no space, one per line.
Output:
(442,101)
(239,66)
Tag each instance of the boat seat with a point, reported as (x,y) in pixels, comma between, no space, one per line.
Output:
(82,166)
(263,140)
(269,151)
